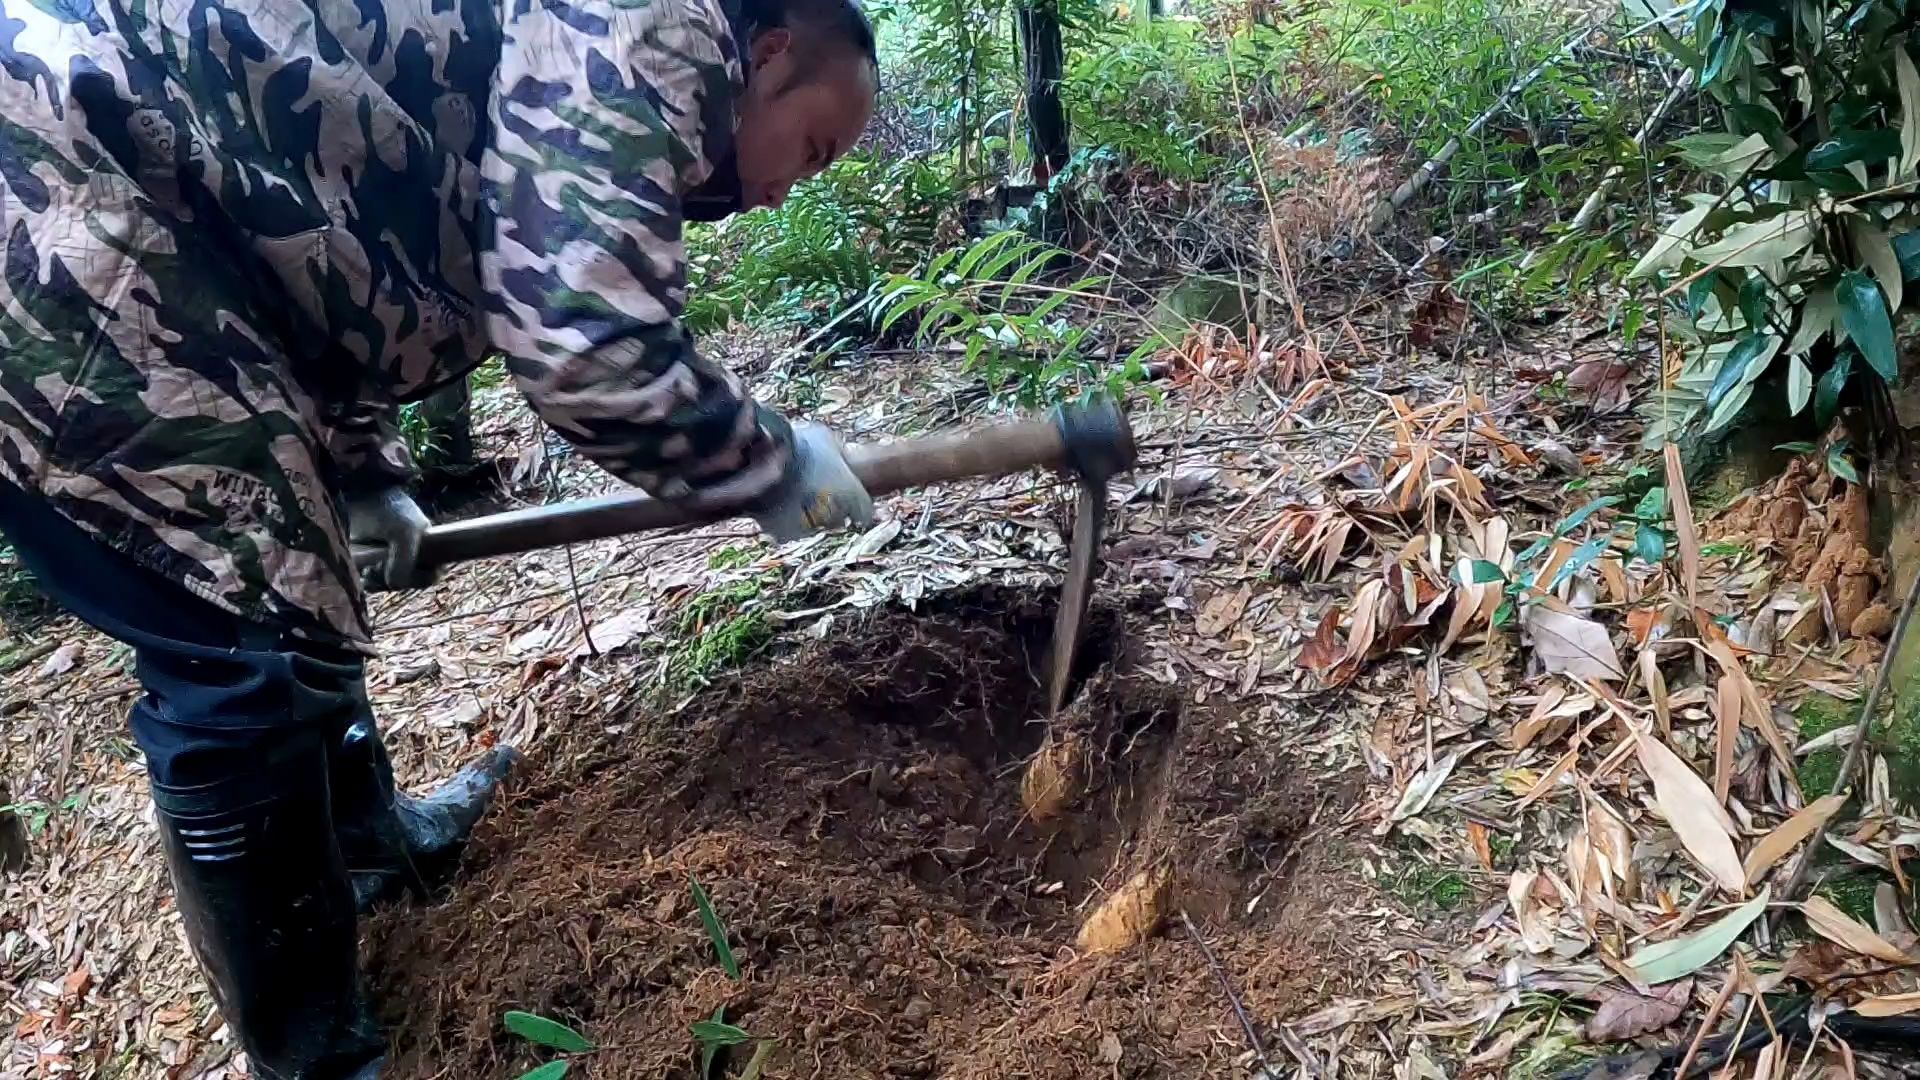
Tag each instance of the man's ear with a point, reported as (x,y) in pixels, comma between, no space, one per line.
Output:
(769,44)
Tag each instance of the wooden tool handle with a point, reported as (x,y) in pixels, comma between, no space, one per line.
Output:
(997,450)
(884,468)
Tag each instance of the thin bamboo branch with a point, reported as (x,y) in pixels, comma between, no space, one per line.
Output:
(1598,199)
(1384,211)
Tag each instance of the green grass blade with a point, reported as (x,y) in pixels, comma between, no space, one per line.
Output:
(544,1032)
(716,932)
(717,1033)
(552,1070)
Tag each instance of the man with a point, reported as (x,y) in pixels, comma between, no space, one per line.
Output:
(234,237)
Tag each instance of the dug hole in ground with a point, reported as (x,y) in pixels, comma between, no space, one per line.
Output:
(921,872)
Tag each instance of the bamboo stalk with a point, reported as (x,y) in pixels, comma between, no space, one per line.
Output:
(1384,211)
(1591,208)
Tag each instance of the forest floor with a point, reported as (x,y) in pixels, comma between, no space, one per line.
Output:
(1357,822)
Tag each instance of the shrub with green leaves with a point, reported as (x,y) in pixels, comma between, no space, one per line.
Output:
(1796,262)
(824,250)
(995,300)
(1161,94)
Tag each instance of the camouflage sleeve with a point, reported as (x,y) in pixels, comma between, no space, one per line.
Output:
(366,447)
(605,112)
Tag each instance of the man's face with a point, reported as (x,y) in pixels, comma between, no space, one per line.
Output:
(795,122)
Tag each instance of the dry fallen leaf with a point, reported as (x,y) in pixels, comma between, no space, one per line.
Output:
(1889,1005)
(62,661)
(1726,712)
(1536,927)
(1840,928)
(1223,611)
(1624,1015)
(1695,816)
(1571,644)
(615,633)
(1788,835)
(1482,843)
(1324,649)
(1683,523)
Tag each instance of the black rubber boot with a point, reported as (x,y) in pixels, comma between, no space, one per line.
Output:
(268,909)
(394,843)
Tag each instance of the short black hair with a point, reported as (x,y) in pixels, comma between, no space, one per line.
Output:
(834,21)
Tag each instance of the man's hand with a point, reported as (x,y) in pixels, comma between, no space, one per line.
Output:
(389,519)
(818,492)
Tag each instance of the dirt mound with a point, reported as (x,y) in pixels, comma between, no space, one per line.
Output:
(856,810)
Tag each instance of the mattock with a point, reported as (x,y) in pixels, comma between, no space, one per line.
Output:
(1092,441)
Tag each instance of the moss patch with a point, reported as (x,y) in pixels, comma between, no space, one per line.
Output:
(1901,744)
(1898,740)
(1852,893)
(718,630)
(1432,888)
(1818,715)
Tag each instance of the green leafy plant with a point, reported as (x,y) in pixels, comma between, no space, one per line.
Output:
(715,1035)
(989,300)
(549,1034)
(1650,537)
(716,932)
(824,250)
(1797,265)
(1161,94)
(1532,562)
(20,597)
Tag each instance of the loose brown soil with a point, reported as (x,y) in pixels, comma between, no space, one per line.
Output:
(855,810)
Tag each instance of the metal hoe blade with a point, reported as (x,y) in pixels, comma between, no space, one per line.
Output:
(1083,558)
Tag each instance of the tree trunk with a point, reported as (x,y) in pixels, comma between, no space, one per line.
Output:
(1045,59)
(13,835)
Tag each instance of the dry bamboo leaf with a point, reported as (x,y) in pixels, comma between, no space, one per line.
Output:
(1562,551)
(1624,1015)
(1536,929)
(1683,523)
(1657,690)
(1129,915)
(1549,778)
(1481,841)
(1543,714)
(1840,928)
(1616,578)
(1691,811)
(1220,613)
(1424,786)
(1860,853)
(1573,645)
(1726,715)
(1888,919)
(1757,711)
(1583,871)
(1495,542)
(1467,599)
(1324,649)
(1889,1005)
(1610,839)
(1366,620)
(1789,834)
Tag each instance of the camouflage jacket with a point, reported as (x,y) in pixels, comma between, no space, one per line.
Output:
(236,234)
